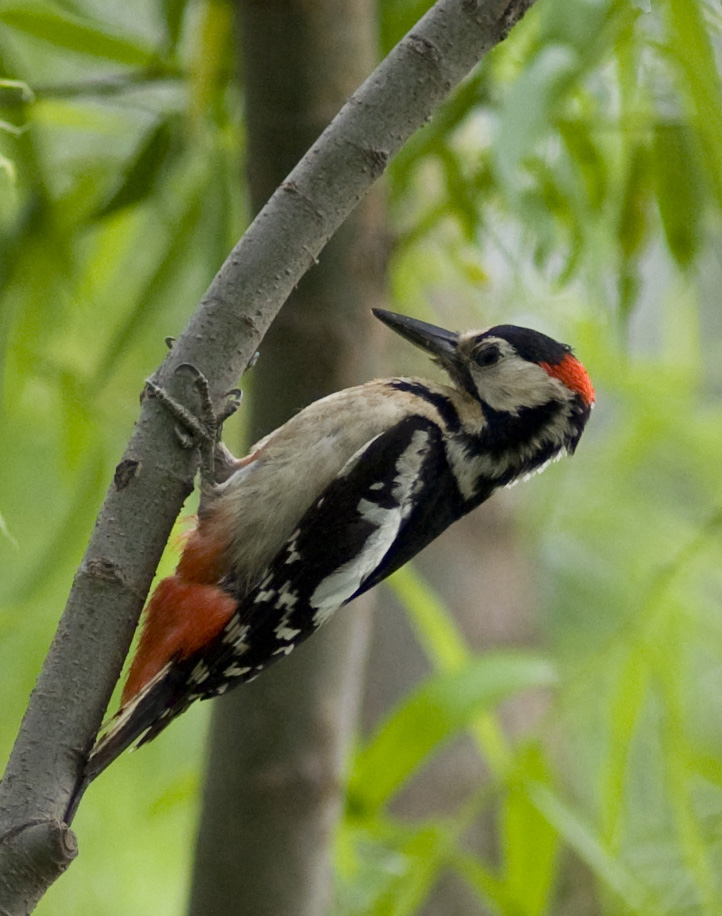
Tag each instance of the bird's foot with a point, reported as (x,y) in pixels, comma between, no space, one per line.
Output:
(203,429)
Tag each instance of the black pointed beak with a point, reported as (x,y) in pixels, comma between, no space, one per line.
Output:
(440,343)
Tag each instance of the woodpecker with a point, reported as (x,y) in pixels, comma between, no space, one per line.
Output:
(334,501)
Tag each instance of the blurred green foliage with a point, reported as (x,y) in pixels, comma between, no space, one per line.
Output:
(573,183)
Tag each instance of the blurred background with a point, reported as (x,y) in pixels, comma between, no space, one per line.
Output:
(529,721)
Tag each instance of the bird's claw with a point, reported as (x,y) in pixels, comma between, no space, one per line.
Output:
(233,400)
(200,430)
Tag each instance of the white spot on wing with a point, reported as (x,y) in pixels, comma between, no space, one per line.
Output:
(283,650)
(235,634)
(235,671)
(324,613)
(287,599)
(200,673)
(293,555)
(286,633)
(373,512)
(338,587)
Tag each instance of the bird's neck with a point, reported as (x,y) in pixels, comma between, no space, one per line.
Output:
(506,448)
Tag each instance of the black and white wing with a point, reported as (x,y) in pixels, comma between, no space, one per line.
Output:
(391,499)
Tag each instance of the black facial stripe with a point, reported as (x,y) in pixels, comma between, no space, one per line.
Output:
(439,401)
(531,345)
(461,375)
(505,432)
(577,420)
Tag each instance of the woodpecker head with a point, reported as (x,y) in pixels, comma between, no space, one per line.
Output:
(509,369)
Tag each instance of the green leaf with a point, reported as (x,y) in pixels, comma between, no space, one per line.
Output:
(439,637)
(461,201)
(587,846)
(8,167)
(433,624)
(633,228)
(631,685)
(211,58)
(423,855)
(431,714)
(689,38)
(579,25)
(5,531)
(397,17)
(149,300)
(64,30)
(173,12)
(141,173)
(18,89)
(530,843)
(588,158)
(530,107)
(679,189)
(633,216)
(487,887)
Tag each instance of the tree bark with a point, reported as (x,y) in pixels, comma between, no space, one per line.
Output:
(277,749)
(155,475)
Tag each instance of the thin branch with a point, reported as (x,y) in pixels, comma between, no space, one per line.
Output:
(155,475)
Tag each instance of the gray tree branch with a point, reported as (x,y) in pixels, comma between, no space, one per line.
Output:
(155,475)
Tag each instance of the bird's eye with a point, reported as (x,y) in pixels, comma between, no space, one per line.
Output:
(487,356)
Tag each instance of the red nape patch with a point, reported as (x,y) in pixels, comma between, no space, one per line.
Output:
(180,618)
(573,374)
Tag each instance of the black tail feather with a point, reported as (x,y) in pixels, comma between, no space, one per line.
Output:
(138,721)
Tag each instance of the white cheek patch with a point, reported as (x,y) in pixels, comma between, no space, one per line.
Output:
(514,383)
